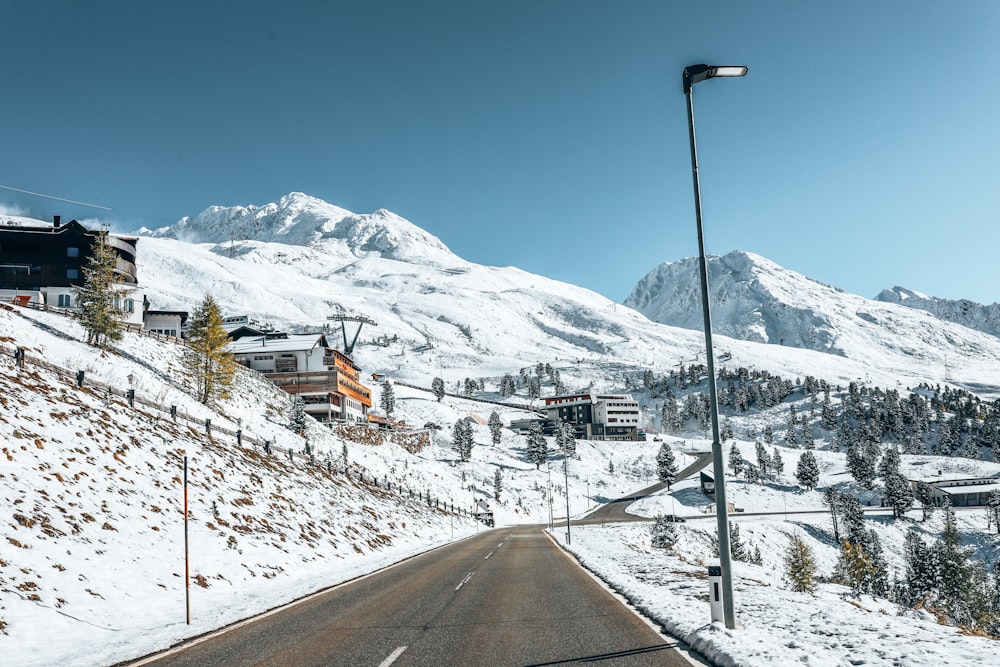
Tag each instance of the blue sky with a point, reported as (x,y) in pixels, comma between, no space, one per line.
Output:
(861,150)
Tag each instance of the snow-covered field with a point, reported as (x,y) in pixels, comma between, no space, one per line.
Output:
(776,626)
(93,538)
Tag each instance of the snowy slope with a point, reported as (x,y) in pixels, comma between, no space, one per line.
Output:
(297,262)
(754,299)
(961,311)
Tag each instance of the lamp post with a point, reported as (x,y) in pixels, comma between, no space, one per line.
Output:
(692,75)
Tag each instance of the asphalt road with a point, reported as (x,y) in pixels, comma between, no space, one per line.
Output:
(614,511)
(504,597)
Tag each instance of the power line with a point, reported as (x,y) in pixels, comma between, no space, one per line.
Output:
(39,194)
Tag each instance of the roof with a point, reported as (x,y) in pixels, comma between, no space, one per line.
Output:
(261,345)
(971,488)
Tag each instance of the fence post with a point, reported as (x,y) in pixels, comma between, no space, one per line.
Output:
(239,437)
(79,378)
(19,357)
(208,427)
(131,398)
(173,412)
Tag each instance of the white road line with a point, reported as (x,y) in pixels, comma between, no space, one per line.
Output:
(499,545)
(488,555)
(392,657)
(464,581)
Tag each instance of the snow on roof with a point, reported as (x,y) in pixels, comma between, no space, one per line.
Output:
(971,488)
(294,342)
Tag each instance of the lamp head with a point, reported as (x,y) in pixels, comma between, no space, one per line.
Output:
(695,73)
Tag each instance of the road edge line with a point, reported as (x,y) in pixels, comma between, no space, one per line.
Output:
(681,646)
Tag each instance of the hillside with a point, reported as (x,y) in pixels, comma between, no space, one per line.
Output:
(754,299)
(961,311)
(94,532)
(438,314)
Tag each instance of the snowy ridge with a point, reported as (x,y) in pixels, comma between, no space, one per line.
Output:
(754,299)
(298,219)
(961,311)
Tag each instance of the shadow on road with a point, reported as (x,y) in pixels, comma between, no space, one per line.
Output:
(607,656)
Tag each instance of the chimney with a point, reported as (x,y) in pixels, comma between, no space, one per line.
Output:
(56,221)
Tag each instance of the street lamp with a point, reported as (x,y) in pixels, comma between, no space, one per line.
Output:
(692,75)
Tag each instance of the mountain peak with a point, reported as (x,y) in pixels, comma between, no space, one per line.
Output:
(300,219)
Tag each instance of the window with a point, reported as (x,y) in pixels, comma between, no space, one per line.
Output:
(65,301)
(72,252)
(72,274)
(129,306)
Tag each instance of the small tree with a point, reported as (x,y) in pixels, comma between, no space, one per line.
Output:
(497,484)
(666,467)
(807,471)
(206,362)
(538,449)
(735,460)
(777,464)
(663,533)
(568,444)
(993,507)
(507,386)
(437,386)
(297,416)
(96,298)
(462,438)
(388,399)
(496,427)
(737,549)
(800,566)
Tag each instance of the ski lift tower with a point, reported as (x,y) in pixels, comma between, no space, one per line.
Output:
(344,319)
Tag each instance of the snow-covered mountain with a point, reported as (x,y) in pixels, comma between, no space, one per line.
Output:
(961,311)
(299,261)
(754,299)
(298,219)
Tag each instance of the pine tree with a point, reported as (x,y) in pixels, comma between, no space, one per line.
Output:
(726,432)
(507,386)
(96,297)
(496,427)
(534,387)
(861,467)
(769,435)
(207,364)
(388,399)
(763,460)
(807,471)
(497,484)
(663,533)
(568,444)
(777,463)
(735,460)
(926,498)
(807,437)
(800,566)
(831,498)
(736,547)
(670,420)
(993,508)
(538,449)
(297,416)
(437,386)
(666,467)
(898,494)
(462,438)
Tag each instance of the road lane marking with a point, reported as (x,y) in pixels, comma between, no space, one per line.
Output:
(392,657)
(488,555)
(464,581)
